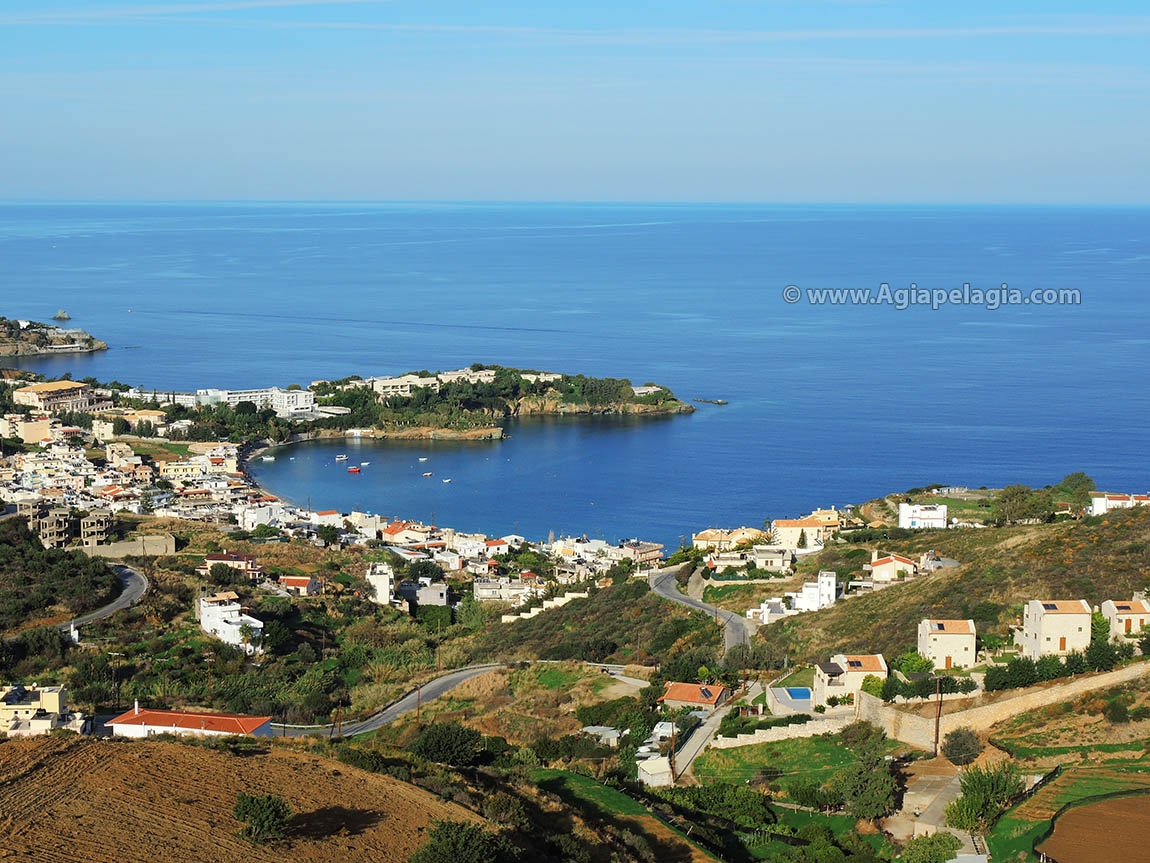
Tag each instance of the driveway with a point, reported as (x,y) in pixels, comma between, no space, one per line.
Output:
(736,629)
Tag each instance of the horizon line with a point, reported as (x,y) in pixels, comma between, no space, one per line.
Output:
(496,202)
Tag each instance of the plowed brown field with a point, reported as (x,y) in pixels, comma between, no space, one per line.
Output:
(1101,832)
(74,800)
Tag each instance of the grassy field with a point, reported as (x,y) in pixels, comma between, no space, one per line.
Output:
(816,757)
(739,597)
(159,450)
(799,677)
(575,787)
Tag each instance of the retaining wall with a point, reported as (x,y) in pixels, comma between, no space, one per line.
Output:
(787,732)
(141,546)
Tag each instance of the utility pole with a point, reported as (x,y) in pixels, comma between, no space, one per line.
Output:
(672,751)
(115,684)
(438,638)
(938,713)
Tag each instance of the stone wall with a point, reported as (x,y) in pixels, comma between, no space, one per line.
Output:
(557,602)
(141,546)
(919,730)
(787,732)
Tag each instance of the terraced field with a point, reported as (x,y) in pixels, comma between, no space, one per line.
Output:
(100,801)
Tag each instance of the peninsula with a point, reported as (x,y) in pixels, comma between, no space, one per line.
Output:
(20,338)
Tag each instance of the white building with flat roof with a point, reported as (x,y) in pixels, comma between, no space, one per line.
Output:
(1055,627)
(222,617)
(817,594)
(915,516)
(947,643)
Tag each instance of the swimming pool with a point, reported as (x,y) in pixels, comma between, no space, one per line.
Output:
(799,693)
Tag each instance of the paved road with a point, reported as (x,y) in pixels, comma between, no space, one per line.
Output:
(133,585)
(736,629)
(392,712)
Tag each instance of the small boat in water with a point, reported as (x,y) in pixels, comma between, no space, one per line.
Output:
(423,458)
(428,473)
(364,463)
(447,480)
(268,457)
(341,458)
(353,470)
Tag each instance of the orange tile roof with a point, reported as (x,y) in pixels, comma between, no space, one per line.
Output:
(296,580)
(693,693)
(1065,606)
(891,558)
(52,387)
(866,662)
(952,627)
(223,723)
(1131,606)
(800,522)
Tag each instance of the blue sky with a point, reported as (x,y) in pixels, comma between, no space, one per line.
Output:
(722,100)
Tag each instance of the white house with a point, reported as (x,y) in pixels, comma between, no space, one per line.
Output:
(770,610)
(381,577)
(947,643)
(222,617)
(916,516)
(844,675)
(1126,617)
(143,722)
(885,568)
(1102,503)
(1055,627)
(816,594)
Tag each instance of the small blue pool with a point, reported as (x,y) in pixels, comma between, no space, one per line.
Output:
(799,693)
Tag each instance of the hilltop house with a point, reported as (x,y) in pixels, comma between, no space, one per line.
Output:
(300,585)
(222,617)
(886,568)
(844,675)
(143,722)
(717,539)
(1054,627)
(245,564)
(694,695)
(1127,618)
(799,533)
(1102,503)
(947,643)
(918,516)
(381,578)
(817,594)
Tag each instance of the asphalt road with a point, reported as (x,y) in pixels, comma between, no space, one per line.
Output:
(392,712)
(736,629)
(133,585)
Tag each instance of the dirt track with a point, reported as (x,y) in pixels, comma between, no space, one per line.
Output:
(1101,832)
(72,800)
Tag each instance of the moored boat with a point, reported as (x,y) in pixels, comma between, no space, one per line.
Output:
(353,470)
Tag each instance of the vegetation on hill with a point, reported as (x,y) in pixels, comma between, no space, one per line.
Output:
(1097,558)
(37,338)
(46,585)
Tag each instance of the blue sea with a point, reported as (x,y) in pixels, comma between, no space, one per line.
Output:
(828,405)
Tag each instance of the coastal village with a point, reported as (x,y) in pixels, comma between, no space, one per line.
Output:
(109,473)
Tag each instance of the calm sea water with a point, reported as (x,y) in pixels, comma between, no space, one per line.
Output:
(828,405)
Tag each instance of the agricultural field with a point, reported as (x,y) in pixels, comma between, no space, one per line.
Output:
(810,757)
(1101,832)
(101,801)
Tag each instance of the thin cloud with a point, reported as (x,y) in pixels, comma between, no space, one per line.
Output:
(164,10)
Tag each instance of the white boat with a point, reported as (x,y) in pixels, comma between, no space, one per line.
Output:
(447,480)
(268,457)
(341,458)
(364,463)
(423,458)
(428,473)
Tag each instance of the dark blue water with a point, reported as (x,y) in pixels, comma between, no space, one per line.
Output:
(828,405)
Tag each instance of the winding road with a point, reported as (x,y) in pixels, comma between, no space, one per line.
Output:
(133,585)
(736,630)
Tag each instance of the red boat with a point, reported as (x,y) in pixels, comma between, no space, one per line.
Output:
(353,470)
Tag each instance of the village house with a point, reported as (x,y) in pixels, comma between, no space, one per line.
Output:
(300,585)
(643,553)
(885,568)
(145,722)
(1054,627)
(1126,617)
(28,711)
(221,616)
(717,539)
(800,533)
(55,396)
(818,594)
(245,564)
(181,469)
(694,695)
(1102,502)
(772,558)
(513,590)
(380,578)
(948,643)
(844,675)
(422,592)
(915,516)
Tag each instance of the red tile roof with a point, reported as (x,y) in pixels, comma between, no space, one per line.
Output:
(693,693)
(223,723)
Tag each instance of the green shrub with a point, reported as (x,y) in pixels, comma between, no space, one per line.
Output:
(449,743)
(961,746)
(460,842)
(264,815)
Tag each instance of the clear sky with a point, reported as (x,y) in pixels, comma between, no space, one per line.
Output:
(714,100)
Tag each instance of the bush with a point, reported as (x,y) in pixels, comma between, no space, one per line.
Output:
(459,842)
(265,816)
(449,743)
(1050,667)
(1075,663)
(985,793)
(1101,656)
(961,746)
(1117,712)
(931,849)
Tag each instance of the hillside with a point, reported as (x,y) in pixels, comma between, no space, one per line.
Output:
(1095,559)
(70,799)
(35,338)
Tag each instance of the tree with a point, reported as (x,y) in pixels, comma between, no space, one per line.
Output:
(961,746)
(930,849)
(434,617)
(912,662)
(120,426)
(985,793)
(802,543)
(1077,486)
(329,533)
(1049,667)
(872,684)
(1099,627)
(264,815)
(449,743)
(245,409)
(223,575)
(1101,655)
(867,787)
(460,842)
(424,569)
